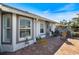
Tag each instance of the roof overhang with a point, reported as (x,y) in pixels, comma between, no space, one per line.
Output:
(10,9)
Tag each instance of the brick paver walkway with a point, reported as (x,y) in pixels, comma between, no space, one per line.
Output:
(37,49)
(70,47)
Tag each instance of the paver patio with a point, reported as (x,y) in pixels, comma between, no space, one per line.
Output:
(69,48)
(38,49)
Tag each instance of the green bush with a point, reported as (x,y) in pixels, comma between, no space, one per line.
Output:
(38,38)
(75,34)
(41,41)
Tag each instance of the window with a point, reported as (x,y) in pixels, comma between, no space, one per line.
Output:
(7,30)
(24,32)
(25,28)
(41,28)
(24,23)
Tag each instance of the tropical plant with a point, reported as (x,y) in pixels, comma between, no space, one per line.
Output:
(75,23)
(41,41)
(38,38)
(64,22)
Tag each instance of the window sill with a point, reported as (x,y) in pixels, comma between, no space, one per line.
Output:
(23,41)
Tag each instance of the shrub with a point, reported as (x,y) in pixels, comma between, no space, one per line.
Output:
(41,41)
(75,34)
(38,38)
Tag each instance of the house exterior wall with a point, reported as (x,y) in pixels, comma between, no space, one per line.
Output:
(35,30)
(14,31)
(15,46)
(0,31)
(5,47)
(53,27)
(20,45)
(38,34)
(42,34)
(37,27)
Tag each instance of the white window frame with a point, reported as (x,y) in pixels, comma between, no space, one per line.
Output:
(24,38)
(43,27)
(7,28)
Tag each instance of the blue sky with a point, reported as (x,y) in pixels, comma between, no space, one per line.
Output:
(54,11)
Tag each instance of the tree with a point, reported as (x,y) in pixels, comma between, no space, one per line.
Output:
(64,22)
(75,23)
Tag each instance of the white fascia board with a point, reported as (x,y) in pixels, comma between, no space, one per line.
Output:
(17,11)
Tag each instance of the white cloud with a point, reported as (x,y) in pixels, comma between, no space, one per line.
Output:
(69,7)
(68,15)
(46,12)
(60,16)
